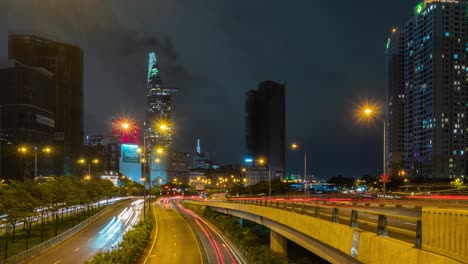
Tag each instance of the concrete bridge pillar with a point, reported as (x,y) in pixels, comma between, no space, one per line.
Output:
(241,222)
(278,243)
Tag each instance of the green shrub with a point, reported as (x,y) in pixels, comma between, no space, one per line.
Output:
(129,250)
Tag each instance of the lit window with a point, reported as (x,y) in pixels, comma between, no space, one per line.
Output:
(455,56)
(447,34)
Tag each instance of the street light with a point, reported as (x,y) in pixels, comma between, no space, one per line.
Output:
(45,150)
(371,112)
(262,161)
(295,146)
(84,161)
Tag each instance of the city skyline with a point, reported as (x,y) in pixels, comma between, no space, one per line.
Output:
(210,93)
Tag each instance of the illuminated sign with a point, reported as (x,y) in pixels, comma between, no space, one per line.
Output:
(130,154)
(419,8)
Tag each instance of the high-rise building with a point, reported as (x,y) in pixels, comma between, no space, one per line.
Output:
(65,62)
(395,97)
(158,121)
(433,49)
(265,125)
(127,131)
(27,119)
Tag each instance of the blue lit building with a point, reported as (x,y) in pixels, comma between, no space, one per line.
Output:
(428,84)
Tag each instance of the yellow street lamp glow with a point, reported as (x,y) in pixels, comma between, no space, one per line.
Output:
(261,161)
(139,150)
(47,150)
(368,111)
(159,150)
(23,149)
(125,125)
(95,161)
(81,161)
(294,146)
(157,160)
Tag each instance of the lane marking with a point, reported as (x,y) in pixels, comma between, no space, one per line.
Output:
(76,249)
(91,260)
(57,262)
(372,217)
(175,244)
(409,223)
(155,216)
(90,239)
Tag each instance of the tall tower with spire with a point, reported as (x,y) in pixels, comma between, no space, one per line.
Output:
(158,122)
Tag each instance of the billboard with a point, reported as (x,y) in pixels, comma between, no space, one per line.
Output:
(130,153)
(130,165)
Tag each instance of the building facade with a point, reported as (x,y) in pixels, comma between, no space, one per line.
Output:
(27,120)
(265,125)
(395,97)
(179,167)
(158,121)
(433,49)
(65,62)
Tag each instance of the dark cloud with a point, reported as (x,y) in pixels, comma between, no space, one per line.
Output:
(330,54)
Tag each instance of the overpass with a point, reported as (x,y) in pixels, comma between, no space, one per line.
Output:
(441,235)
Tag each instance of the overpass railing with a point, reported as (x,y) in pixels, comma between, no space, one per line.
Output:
(383,224)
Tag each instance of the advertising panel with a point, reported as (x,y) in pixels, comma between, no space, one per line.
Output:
(130,153)
(129,162)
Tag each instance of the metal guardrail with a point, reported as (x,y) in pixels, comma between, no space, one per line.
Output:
(52,242)
(317,211)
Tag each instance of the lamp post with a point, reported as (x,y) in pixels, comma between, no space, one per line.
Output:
(24,150)
(370,112)
(262,161)
(84,161)
(144,196)
(295,146)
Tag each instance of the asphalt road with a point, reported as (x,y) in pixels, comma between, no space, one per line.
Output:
(175,241)
(102,234)
(217,248)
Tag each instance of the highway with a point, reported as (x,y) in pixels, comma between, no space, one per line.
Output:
(174,241)
(218,248)
(102,234)
(184,237)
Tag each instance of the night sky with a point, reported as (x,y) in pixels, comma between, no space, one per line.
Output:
(331,54)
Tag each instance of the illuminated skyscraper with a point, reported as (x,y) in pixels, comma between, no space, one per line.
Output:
(158,120)
(428,73)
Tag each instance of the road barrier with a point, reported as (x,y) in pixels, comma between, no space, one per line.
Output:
(446,232)
(318,210)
